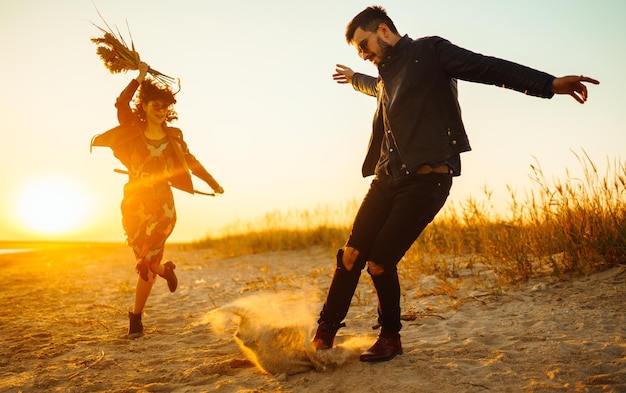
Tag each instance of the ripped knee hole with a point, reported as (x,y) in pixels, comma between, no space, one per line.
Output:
(374,269)
(349,258)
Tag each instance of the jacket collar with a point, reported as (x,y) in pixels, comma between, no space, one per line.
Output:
(396,51)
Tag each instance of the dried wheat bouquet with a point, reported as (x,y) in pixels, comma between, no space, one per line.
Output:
(119,57)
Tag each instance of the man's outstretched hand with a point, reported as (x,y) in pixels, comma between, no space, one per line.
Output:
(573,85)
(343,74)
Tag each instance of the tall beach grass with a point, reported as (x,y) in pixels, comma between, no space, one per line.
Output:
(322,225)
(562,227)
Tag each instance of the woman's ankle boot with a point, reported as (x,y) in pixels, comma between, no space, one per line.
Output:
(136,327)
(169,275)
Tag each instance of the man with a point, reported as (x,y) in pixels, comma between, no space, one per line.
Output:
(414,152)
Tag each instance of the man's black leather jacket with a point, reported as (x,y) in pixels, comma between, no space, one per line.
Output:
(416,90)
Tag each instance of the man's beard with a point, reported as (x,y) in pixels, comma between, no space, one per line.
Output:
(385,48)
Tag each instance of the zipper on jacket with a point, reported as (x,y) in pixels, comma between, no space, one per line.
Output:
(389,131)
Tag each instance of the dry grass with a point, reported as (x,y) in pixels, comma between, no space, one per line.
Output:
(118,56)
(561,228)
(283,231)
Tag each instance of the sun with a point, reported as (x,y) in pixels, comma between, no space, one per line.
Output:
(51,205)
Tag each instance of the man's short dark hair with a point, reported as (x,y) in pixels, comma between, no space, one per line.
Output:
(369,19)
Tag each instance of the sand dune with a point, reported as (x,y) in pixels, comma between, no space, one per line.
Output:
(244,324)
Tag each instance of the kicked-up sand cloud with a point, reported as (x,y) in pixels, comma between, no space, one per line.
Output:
(274,331)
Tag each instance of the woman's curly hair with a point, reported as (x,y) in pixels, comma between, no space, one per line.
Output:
(151,90)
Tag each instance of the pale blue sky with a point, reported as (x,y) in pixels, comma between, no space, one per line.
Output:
(259,108)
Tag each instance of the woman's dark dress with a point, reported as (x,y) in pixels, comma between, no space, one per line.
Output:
(154,166)
(148,211)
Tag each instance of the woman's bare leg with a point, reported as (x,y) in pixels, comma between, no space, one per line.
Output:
(143,292)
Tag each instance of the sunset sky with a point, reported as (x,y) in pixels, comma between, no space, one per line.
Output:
(260,110)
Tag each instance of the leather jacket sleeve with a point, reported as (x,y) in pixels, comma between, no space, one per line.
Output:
(124,113)
(194,165)
(120,135)
(200,171)
(365,84)
(466,65)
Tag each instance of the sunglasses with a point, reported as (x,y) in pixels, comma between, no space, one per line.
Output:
(362,47)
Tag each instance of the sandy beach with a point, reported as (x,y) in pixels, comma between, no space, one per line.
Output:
(243,324)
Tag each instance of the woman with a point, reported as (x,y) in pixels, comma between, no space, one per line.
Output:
(156,157)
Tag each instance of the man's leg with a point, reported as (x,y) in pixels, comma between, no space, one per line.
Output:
(416,202)
(350,262)
(387,285)
(342,287)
